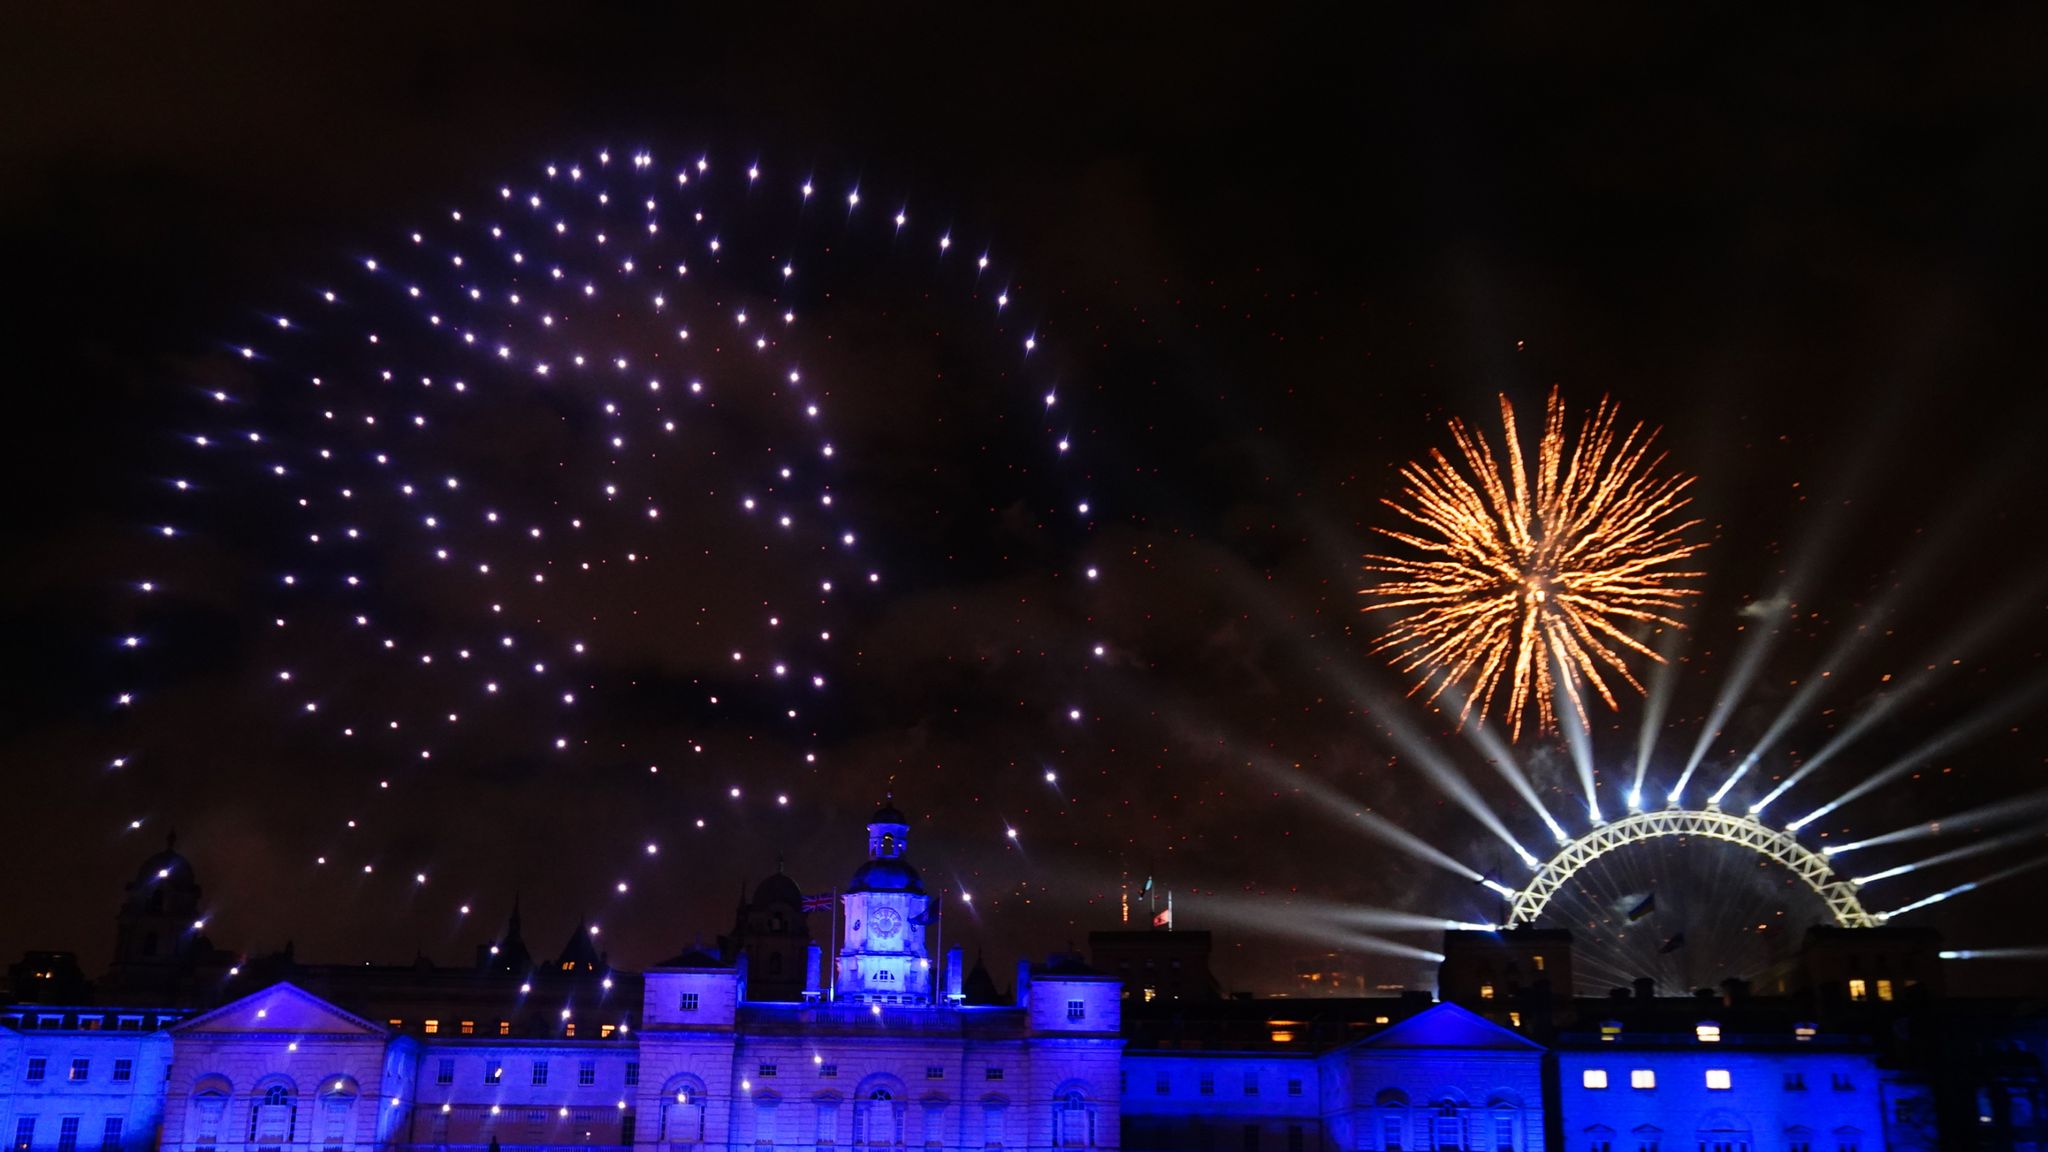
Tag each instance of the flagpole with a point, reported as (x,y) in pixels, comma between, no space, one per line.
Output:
(832,981)
(938,946)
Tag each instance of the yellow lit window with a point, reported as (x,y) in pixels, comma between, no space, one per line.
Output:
(569,1029)
(1708,1032)
(1539,963)
(1859,990)
(469,1027)
(432,1026)
(504,1027)
(1884,989)
(1642,1078)
(1515,1018)
(395,1023)
(604,1031)
(1486,991)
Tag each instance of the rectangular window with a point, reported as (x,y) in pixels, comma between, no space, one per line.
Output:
(110,1134)
(494,1071)
(1251,1082)
(992,1073)
(24,1132)
(688,1002)
(934,1072)
(1884,989)
(431,1027)
(586,1073)
(1642,1078)
(1390,1134)
(1077,1009)
(1795,1081)
(632,1073)
(468,1028)
(1843,1083)
(1208,1085)
(395,1024)
(1539,963)
(1486,991)
(604,1031)
(765,1071)
(445,1072)
(504,1027)
(67,1134)
(540,1073)
(81,1069)
(36,1067)
(1294,1087)
(1859,990)
(569,1030)
(1593,1078)
(828,1071)
(1717,1079)
(124,1070)
(1161,1085)
(129,1023)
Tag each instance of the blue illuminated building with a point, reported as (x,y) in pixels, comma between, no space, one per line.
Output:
(773,1040)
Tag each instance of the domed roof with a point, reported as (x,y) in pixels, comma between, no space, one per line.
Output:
(888,874)
(779,889)
(888,814)
(166,865)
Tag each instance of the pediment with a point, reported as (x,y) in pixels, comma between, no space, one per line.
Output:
(282,1008)
(1449,1026)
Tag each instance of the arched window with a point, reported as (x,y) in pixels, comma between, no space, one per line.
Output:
(273,1118)
(1447,1126)
(877,1122)
(682,1112)
(209,1106)
(1074,1122)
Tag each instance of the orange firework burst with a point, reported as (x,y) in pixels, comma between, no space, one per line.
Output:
(1534,580)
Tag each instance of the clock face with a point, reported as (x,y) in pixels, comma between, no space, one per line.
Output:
(885,922)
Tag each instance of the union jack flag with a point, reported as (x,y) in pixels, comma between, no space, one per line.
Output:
(817,903)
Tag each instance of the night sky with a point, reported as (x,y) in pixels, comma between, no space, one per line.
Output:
(1264,258)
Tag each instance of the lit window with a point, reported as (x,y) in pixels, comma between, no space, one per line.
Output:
(1539,963)
(81,1069)
(1708,1032)
(504,1027)
(1717,1079)
(1884,989)
(1515,1019)
(1486,991)
(469,1027)
(1859,990)
(1593,1078)
(569,1030)
(1642,1078)
(432,1027)
(395,1023)
(1804,1032)
(604,1031)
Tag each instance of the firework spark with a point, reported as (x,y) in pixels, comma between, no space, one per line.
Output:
(1534,580)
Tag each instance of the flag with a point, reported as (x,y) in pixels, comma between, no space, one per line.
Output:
(817,903)
(1672,945)
(1643,909)
(1163,918)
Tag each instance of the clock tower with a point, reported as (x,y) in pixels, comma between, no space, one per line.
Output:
(882,959)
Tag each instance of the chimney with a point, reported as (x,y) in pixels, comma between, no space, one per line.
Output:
(1646,988)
